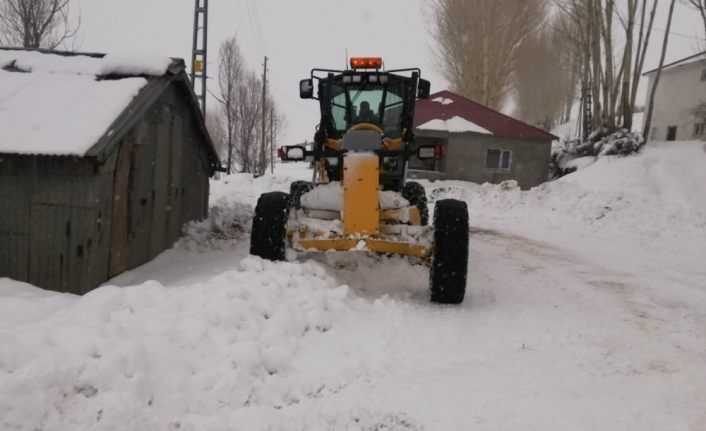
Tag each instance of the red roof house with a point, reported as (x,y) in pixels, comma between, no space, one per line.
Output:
(478,144)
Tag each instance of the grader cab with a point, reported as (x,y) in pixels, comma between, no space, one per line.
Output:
(359,198)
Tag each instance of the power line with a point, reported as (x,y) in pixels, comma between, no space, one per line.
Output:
(673,33)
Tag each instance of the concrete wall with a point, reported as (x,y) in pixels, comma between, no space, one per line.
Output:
(680,90)
(466,159)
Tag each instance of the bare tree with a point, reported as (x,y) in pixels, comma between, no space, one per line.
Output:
(240,95)
(653,91)
(36,23)
(610,70)
(478,41)
(217,129)
(700,6)
(230,74)
(544,80)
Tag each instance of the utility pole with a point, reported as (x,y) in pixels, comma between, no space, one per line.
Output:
(272,139)
(263,148)
(199,56)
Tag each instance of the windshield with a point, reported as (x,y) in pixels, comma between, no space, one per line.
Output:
(379,104)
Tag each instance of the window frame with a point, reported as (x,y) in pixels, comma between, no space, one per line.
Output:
(703,75)
(499,167)
(699,130)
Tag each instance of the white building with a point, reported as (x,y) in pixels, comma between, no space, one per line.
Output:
(681,89)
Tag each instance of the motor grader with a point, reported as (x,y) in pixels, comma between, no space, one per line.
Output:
(359,198)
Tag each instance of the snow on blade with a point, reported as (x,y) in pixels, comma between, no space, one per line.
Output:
(329,197)
(454,125)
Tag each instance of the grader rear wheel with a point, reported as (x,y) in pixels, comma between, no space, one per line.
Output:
(268,238)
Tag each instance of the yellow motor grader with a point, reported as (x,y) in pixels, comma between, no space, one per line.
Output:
(359,198)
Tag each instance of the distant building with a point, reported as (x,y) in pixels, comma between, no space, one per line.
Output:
(682,87)
(478,144)
(102,160)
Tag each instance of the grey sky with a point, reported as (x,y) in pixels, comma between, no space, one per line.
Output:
(300,34)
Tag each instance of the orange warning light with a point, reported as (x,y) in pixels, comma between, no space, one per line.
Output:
(366,63)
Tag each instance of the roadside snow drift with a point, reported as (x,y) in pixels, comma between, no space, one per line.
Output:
(138,357)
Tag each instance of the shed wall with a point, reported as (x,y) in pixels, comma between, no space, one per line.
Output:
(55,224)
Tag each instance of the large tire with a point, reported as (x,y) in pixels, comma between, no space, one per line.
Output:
(450,252)
(297,189)
(417,197)
(269,226)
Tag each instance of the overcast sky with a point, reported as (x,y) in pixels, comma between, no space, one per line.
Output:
(298,35)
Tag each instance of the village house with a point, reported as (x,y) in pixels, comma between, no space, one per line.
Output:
(478,144)
(681,90)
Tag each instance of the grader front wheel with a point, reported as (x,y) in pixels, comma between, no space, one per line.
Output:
(450,252)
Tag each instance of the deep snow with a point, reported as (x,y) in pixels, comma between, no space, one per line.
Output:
(585,310)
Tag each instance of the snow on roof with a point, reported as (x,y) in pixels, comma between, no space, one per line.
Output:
(454,125)
(443,100)
(54,104)
(441,110)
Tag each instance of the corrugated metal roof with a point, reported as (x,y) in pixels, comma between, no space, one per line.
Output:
(446,105)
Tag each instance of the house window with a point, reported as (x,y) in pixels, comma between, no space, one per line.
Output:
(671,133)
(500,160)
(700,129)
(703,75)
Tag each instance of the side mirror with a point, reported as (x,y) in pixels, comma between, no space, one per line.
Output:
(294,153)
(426,152)
(306,89)
(424,89)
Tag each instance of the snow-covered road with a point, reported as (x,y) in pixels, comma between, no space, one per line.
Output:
(586,309)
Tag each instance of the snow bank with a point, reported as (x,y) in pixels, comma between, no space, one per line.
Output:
(653,201)
(150,357)
(454,125)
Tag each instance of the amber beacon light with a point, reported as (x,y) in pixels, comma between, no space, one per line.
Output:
(366,63)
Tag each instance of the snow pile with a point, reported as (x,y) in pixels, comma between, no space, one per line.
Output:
(566,153)
(653,200)
(454,125)
(153,357)
(327,197)
(226,225)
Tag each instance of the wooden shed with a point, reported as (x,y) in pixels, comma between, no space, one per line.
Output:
(102,160)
